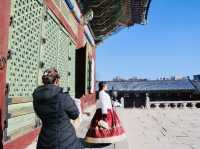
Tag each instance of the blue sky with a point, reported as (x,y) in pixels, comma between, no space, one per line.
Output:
(168,45)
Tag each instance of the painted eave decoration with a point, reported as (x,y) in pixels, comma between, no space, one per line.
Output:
(110,16)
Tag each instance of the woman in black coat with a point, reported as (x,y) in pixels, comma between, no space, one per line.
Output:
(55,109)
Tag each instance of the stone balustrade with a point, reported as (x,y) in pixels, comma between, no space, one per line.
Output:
(173,104)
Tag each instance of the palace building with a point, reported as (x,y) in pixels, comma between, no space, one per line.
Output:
(157,93)
(39,34)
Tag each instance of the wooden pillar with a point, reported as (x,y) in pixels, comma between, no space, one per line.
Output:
(4,29)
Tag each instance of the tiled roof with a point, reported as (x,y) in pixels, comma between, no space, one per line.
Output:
(196,84)
(151,85)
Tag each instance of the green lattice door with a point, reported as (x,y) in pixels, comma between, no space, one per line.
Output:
(39,42)
(22,71)
(49,50)
(58,51)
(62,63)
(71,68)
(25,36)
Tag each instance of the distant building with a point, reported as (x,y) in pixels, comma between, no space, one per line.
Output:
(196,77)
(149,92)
(180,77)
(118,78)
(177,77)
(137,79)
(172,78)
(133,78)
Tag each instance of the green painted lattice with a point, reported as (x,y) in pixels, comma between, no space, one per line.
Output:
(49,51)
(58,51)
(22,70)
(71,68)
(63,59)
(25,41)
(37,38)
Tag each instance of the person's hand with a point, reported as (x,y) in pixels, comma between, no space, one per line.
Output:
(103,124)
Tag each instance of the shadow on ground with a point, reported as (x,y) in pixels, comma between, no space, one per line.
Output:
(91,145)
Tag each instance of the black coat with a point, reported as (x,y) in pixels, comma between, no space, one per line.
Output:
(55,109)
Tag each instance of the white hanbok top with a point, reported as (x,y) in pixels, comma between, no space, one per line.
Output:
(104,102)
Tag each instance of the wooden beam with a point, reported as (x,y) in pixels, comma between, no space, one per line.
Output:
(52,6)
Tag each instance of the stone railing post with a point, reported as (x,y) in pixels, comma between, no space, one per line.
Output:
(184,105)
(193,104)
(147,101)
(157,105)
(122,102)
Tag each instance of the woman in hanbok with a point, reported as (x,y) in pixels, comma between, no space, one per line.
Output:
(105,126)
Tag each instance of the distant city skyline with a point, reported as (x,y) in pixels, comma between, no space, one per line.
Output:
(120,78)
(169,45)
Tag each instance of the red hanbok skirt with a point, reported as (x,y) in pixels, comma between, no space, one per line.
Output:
(97,134)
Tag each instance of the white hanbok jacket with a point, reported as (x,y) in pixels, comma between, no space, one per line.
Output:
(104,102)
